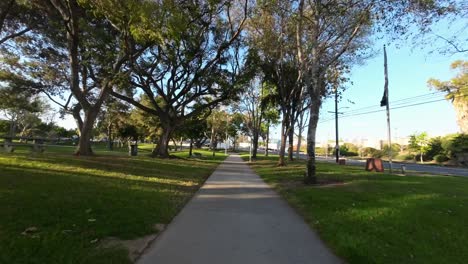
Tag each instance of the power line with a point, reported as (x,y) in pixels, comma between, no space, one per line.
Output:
(401,101)
(398,107)
(404,101)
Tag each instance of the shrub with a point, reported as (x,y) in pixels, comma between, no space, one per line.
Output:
(408,157)
(435,148)
(440,158)
(458,149)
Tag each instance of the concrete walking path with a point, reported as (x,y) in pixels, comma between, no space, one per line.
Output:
(236,218)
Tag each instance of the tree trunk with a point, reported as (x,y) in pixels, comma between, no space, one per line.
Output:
(12,128)
(267,139)
(254,145)
(421,157)
(299,138)
(299,143)
(161,149)
(110,142)
(283,143)
(191,147)
(175,144)
(311,177)
(291,141)
(84,143)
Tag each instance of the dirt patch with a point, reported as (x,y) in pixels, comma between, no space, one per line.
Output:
(135,247)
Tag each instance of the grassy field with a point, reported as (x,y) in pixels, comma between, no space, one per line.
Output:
(379,218)
(74,202)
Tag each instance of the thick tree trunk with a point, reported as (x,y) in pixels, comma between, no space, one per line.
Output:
(255,145)
(84,143)
(311,177)
(161,149)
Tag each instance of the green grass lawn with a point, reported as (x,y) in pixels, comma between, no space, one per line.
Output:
(379,218)
(72,201)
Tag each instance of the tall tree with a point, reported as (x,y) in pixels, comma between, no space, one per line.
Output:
(251,105)
(332,34)
(92,74)
(193,64)
(457,92)
(89,45)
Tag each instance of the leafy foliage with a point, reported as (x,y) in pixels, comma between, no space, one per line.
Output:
(456,91)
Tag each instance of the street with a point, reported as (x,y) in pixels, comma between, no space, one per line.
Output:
(433,169)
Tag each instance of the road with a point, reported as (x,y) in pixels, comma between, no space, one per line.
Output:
(432,169)
(439,170)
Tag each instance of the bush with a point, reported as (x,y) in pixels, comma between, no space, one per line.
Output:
(458,149)
(440,158)
(408,157)
(372,153)
(435,148)
(395,150)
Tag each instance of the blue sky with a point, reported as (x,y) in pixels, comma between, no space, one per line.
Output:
(408,72)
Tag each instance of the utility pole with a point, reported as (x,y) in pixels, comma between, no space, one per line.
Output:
(337,146)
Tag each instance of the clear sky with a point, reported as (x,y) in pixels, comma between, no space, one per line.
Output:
(408,72)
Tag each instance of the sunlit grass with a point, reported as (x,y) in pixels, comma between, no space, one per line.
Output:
(75,200)
(379,218)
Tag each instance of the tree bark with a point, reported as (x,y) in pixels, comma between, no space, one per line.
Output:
(255,144)
(267,139)
(110,142)
(175,144)
(191,147)
(12,128)
(161,149)
(84,143)
(299,143)
(284,125)
(311,176)
(291,141)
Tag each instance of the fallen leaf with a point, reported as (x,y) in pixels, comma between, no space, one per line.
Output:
(29,230)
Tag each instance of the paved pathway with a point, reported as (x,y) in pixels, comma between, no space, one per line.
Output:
(236,218)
